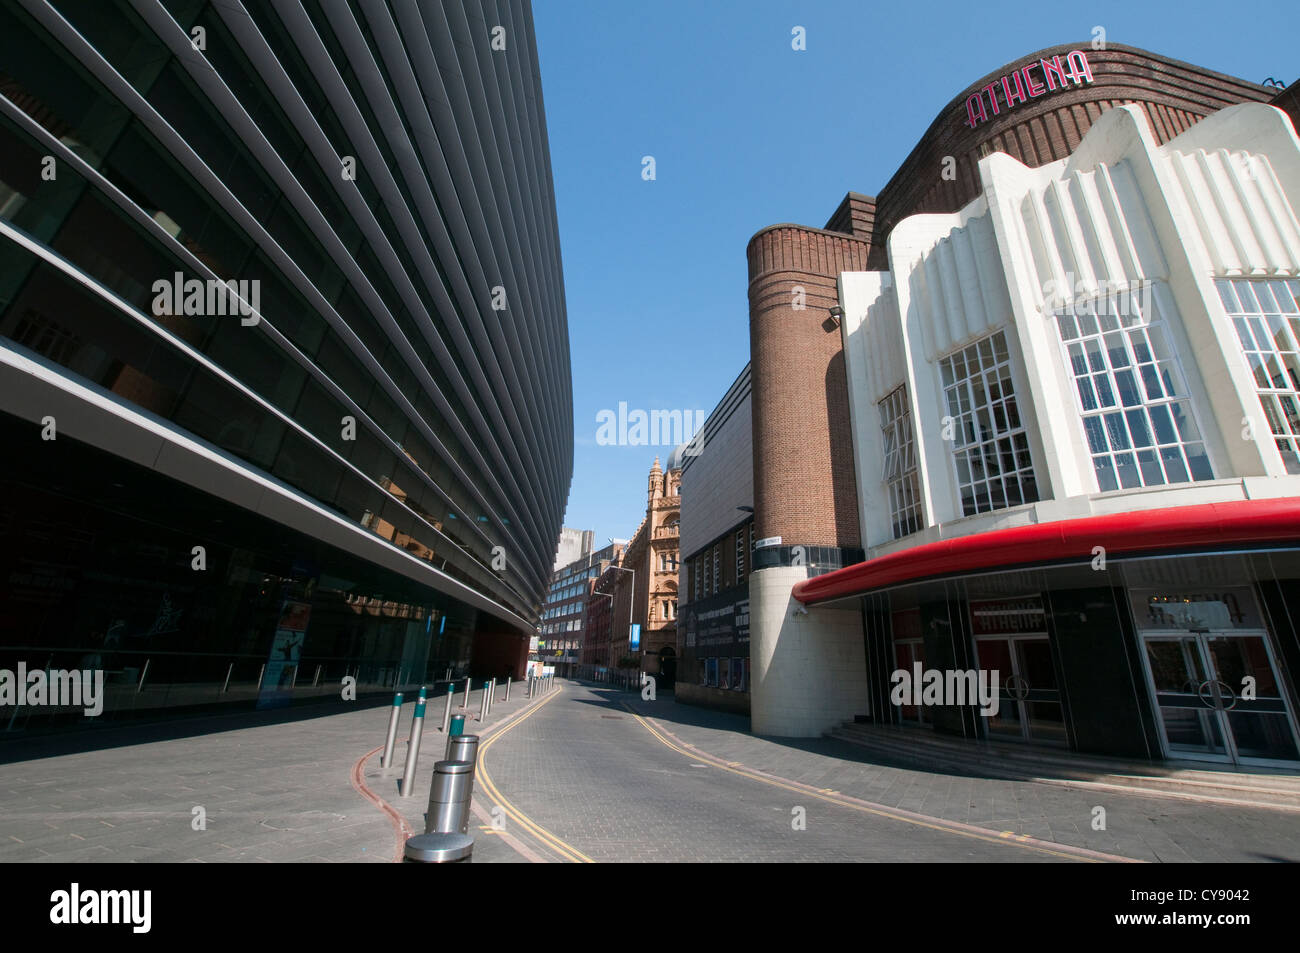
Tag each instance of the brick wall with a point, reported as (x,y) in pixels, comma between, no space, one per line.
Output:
(804,485)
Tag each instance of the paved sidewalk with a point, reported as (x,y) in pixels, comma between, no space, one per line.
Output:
(1150,828)
(271,786)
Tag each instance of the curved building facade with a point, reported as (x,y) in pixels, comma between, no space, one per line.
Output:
(283,345)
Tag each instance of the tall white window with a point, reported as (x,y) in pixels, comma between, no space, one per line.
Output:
(900,474)
(1266,314)
(717,569)
(740,555)
(1137,414)
(990,447)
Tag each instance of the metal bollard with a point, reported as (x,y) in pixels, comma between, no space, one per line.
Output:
(413,748)
(390,739)
(457,728)
(492,695)
(507,698)
(463,748)
(449,797)
(482,704)
(439,849)
(446,712)
(466,703)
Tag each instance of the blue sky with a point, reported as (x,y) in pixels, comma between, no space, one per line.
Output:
(747,132)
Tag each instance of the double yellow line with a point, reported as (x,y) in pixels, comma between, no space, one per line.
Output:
(1003,839)
(566,851)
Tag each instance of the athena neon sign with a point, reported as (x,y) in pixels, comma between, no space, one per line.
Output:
(1020,85)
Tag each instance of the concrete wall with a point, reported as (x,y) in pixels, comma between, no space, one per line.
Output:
(807,668)
(721,477)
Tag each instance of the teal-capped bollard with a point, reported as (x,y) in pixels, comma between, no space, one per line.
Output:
(413,747)
(386,759)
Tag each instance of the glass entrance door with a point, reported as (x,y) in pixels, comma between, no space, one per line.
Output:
(1029,701)
(1218,697)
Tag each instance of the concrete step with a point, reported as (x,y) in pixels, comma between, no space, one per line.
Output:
(1261,787)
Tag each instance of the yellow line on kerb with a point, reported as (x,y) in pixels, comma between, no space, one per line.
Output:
(723,766)
(566,851)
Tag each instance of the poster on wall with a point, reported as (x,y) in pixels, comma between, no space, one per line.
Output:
(711,672)
(738,675)
(724,673)
(286,651)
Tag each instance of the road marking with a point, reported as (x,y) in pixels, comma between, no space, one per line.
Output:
(898,814)
(566,851)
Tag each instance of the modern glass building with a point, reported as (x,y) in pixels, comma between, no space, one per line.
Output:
(284,373)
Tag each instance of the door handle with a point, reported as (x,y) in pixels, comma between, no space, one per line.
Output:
(1225,688)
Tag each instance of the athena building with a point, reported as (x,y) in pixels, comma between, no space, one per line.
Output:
(1074,407)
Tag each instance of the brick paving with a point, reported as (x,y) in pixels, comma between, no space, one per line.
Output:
(582,777)
(275,787)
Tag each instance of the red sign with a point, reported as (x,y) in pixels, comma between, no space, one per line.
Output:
(1021,85)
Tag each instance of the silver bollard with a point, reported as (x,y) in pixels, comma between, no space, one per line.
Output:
(228,671)
(449,797)
(390,739)
(492,695)
(466,702)
(507,698)
(483,703)
(439,849)
(446,712)
(462,748)
(413,748)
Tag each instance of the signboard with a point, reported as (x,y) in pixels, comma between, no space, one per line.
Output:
(634,637)
(1021,85)
(1194,610)
(1008,616)
(767,541)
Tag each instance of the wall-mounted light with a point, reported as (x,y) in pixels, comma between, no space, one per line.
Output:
(837,314)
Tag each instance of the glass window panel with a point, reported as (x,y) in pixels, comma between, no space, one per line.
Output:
(1151,382)
(1087,395)
(1105,393)
(1128,390)
(1116,432)
(1172,458)
(1228,297)
(1199,462)
(1138,429)
(1152,475)
(1127,469)
(1116,350)
(1106,479)
(1246,297)
(1097,434)
(1163,424)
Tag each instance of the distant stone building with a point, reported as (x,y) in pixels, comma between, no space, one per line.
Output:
(644,584)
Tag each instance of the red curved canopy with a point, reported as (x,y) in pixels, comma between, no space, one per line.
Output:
(1216,525)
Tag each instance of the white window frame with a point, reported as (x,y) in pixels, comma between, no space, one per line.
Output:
(899,470)
(1095,336)
(992,356)
(1269,343)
